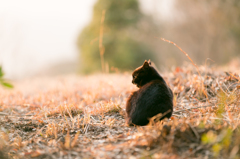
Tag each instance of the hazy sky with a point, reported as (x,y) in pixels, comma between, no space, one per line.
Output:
(35,34)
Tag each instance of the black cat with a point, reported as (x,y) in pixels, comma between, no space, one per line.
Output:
(152,98)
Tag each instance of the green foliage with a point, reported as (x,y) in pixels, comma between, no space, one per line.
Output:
(122,47)
(120,14)
(218,142)
(1,72)
(114,109)
(2,81)
(209,138)
(223,100)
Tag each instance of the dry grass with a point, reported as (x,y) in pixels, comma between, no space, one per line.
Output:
(83,117)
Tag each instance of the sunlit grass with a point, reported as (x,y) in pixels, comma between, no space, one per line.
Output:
(86,115)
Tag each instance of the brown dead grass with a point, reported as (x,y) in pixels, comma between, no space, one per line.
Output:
(83,117)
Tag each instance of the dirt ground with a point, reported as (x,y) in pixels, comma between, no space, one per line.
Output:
(77,116)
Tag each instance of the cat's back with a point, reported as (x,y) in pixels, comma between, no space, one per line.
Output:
(153,98)
(155,88)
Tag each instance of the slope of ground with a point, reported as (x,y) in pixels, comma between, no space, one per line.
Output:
(84,117)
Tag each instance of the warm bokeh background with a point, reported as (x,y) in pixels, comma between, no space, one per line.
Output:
(56,37)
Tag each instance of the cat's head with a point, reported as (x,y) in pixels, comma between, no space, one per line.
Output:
(142,74)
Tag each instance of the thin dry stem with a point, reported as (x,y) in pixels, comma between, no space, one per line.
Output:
(101,47)
(195,65)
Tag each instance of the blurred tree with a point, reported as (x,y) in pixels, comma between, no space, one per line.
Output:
(227,14)
(124,41)
(207,29)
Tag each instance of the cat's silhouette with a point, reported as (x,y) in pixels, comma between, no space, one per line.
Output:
(152,98)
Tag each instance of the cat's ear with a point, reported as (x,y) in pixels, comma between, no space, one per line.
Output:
(149,62)
(145,64)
